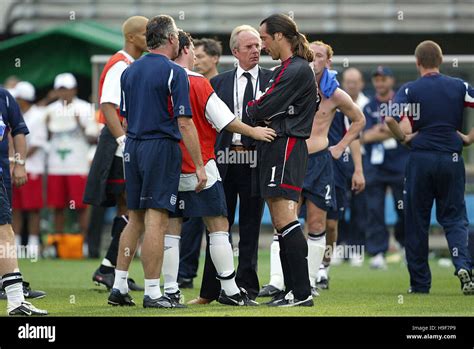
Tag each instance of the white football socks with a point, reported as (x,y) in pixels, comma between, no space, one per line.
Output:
(14,290)
(223,259)
(120,281)
(316,248)
(152,288)
(15,295)
(276,272)
(171,263)
(107,263)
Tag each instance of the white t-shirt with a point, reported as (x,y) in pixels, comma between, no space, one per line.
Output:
(188,181)
(38,137)
(111,87)
(68,151)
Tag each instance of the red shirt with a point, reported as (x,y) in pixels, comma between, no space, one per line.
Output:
(200,90)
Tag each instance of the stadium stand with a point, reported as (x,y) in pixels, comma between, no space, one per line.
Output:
(203,16)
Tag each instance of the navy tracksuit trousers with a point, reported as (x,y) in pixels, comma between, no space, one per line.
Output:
(434,177)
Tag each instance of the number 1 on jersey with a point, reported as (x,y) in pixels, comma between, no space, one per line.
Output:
(273,174)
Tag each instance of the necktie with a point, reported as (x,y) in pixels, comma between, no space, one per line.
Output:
(248,96)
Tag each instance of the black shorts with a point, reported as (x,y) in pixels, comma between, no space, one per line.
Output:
(105,183)
(209,202)
(282,167)
(5,207)
(116,180)
(319,181)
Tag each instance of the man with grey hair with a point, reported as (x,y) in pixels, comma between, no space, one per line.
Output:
(155,102)
(236,88)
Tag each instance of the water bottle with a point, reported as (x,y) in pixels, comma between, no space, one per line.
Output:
(2,127)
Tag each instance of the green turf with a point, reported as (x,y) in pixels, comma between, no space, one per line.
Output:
(354,292)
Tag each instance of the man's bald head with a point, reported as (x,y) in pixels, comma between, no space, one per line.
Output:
(134,34)
(134,25)
(352,82)
(352,73)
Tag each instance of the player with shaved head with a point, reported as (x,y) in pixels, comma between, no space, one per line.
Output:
(106,183)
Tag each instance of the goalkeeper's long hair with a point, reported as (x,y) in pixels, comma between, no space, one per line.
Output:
(279,23)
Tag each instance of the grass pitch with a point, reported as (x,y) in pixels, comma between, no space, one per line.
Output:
(353,292)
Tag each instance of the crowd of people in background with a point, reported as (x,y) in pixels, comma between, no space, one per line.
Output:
(63,130)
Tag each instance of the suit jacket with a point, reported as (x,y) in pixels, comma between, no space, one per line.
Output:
(224,85)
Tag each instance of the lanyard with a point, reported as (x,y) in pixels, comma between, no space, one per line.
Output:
(236,88)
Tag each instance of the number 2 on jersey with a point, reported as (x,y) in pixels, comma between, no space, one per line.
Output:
(328,192)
